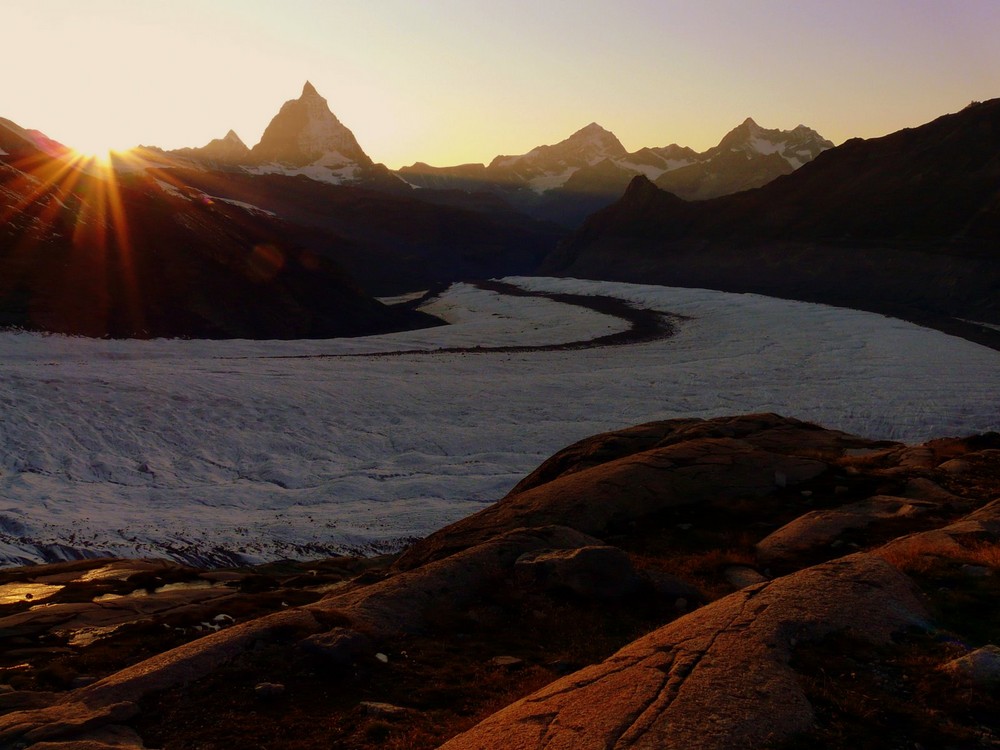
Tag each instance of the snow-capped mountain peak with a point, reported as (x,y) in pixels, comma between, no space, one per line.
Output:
(306,133)
(795,146)
(548,167)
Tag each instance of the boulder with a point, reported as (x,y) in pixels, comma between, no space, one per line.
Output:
(980,667)
(337,647)
(609,497)
(819,528)
(114,737)
(766,431)
(982,525)
(376,708)
(742,576)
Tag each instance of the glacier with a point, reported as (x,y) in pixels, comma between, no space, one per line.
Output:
(232,452)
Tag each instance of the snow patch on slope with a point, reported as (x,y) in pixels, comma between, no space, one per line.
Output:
(548,182)
(169,189)
(330,170)
(250,207)
(651,171)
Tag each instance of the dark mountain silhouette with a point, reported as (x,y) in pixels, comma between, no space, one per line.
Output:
(390,241)
(27,146)
(906,223)
(138,256)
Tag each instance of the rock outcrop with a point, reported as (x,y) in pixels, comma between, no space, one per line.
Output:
(719,678)
(603,485)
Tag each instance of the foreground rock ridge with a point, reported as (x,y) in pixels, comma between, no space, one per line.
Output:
(750,581)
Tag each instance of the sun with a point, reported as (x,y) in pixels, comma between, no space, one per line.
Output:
(95,150)
(99,155)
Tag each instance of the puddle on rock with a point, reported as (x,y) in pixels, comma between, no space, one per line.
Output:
(114,571)
(15,593)
(140,593)
(86,636)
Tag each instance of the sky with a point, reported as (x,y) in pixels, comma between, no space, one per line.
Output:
(457,81)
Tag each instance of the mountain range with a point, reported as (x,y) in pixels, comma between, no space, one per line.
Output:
(568,181)
(562,183)
(905,224)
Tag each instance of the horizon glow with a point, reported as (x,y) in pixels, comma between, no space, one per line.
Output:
(461,81)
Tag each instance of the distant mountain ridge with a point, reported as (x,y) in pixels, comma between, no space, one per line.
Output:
(19,142)
(562,183)
(229,149)
(569,180)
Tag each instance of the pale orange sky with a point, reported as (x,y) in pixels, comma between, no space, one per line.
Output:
(454,81)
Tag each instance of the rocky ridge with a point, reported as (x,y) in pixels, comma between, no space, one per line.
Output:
(228,150)
(607,601)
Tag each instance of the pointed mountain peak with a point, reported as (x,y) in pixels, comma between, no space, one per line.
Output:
(640,185)
(305,132)
(593,131)
(592,128)
(229,149)
(795,146)
(596,139)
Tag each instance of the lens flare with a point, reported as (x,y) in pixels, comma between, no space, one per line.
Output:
(95,150)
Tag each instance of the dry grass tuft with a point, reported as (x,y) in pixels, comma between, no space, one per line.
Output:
(703,569)
(923,552)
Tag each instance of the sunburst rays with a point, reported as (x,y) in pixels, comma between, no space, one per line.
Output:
(71,207)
